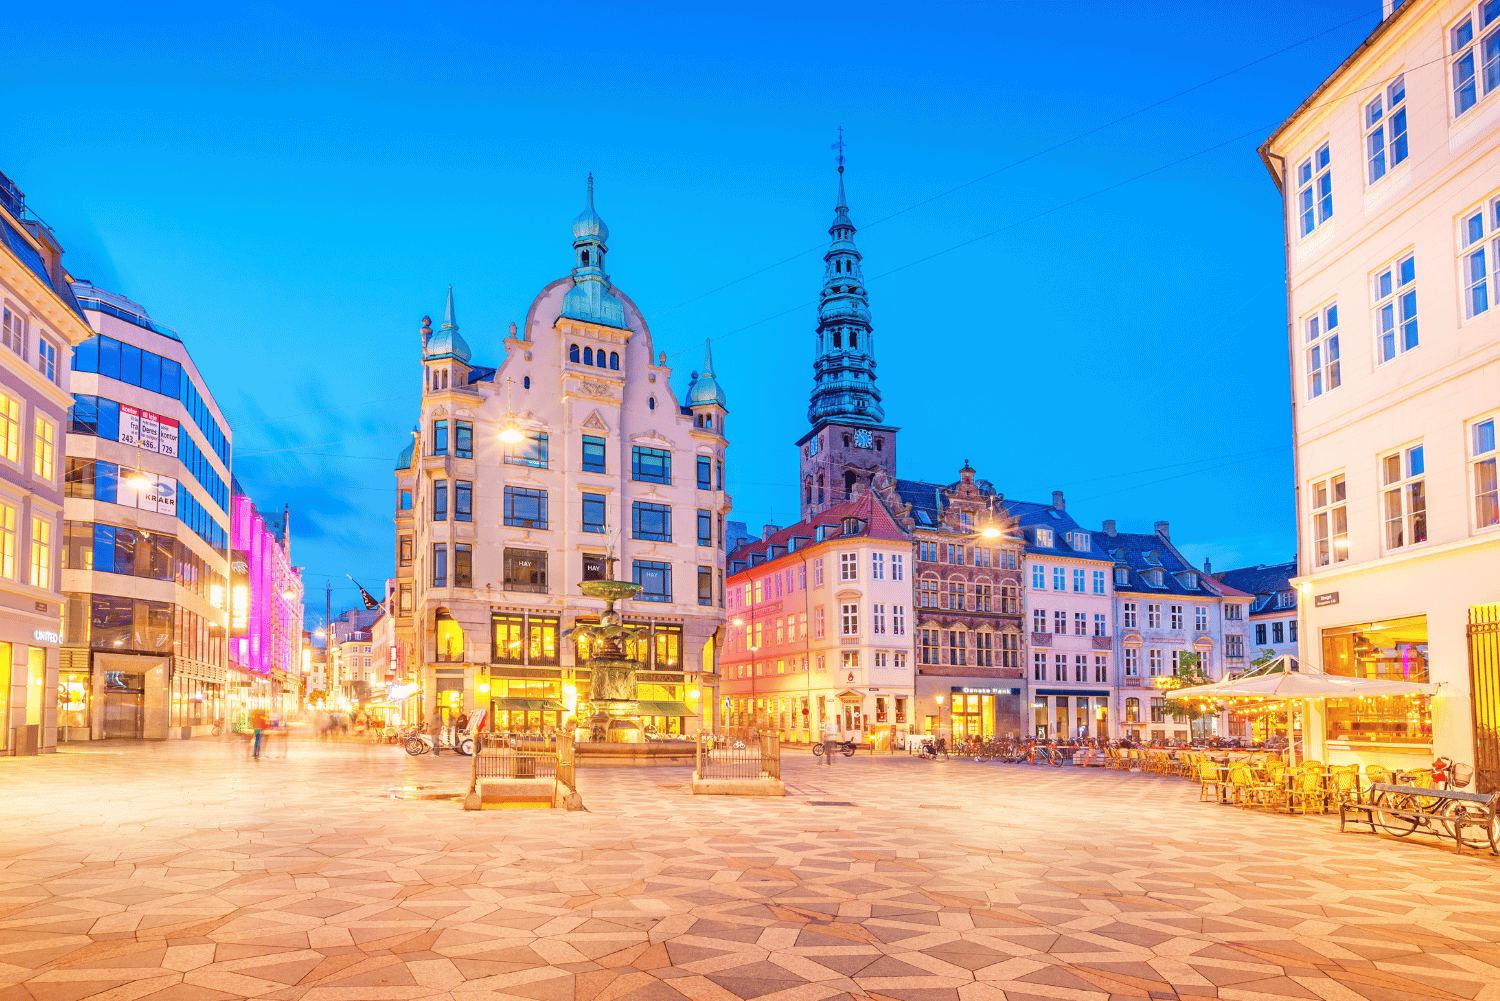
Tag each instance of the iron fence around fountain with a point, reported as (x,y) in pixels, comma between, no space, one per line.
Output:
(502,756)
(737,753)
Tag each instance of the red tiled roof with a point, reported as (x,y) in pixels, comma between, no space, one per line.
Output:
(878,524)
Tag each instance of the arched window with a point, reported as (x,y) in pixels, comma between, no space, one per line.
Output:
(820,488)
(846,441)
(599,358)
(854,338)
(651,403)
(614,361)
(849,479)
(573,353)
(708,420)
(526,382)
(588,356)
(445,378)
(697,420)
(838,339)
(585,258)
(808,499)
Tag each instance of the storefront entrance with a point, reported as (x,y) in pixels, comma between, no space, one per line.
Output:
(124,705)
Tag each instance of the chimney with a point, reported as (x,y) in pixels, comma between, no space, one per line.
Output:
(1207,567)
(1057,500)
(767,531)
(1161,530)
(1109,528)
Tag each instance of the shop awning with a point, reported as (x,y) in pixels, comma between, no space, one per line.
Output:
(531,705)
(666,709)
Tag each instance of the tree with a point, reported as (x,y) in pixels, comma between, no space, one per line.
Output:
(1189,674)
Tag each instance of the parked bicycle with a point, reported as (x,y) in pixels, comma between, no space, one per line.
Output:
(1401,814)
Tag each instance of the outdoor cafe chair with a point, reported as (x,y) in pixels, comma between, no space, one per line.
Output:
(1343,785)
(1307,789)
(1209,782)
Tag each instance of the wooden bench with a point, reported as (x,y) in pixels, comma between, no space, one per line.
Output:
(1443,813)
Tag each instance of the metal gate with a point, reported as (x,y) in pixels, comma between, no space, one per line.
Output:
(1484,689)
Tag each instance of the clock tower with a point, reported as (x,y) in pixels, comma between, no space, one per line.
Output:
(849,439)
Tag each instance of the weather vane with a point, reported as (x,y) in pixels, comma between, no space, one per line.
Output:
(839,148)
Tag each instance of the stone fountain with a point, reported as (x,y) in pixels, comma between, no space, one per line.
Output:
(613,733)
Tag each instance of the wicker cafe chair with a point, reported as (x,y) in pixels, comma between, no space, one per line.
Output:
(1243,790)
(1307,789)
(1188,763)
(1343,785)
(1208,781)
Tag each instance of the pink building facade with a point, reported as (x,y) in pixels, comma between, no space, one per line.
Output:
(265,622)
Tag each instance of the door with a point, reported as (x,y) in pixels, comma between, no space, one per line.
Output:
(1484,691)
(124,714)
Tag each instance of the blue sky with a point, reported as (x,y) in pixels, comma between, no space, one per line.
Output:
(293,186)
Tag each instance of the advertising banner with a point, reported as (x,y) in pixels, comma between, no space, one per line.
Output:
(160,496)
(239,594)
(150,431)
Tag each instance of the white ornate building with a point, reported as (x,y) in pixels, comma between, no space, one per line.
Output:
(493,537)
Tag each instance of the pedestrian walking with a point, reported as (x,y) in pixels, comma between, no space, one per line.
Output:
(260,720)
(437,731)
(832,735)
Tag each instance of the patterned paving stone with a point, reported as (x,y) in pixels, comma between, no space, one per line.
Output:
(184,871)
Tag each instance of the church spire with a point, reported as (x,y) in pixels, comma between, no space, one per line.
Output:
(844,366)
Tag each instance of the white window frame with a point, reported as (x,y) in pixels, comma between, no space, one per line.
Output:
(1484,471)
(9,518)
(1314,178)
(13,330)
(1129,616)
(1177,618)
(1393,295)
(1471,78)
(1154,662)
(1403,497)
(44,449)
(898,567)
(1038,577)
(1153,615)
(877,619)
(1321,355)
(1059,578)
(848,566)
(1200,618)
(818,573)
(1132,662)
(1328,514)
(877,566)
(1478,231)
(1387,141)
(849,618)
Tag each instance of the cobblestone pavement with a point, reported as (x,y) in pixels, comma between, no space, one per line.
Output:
(185,871)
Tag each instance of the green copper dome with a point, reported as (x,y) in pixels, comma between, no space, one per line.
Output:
(446,341)
(705,388)
(588,223)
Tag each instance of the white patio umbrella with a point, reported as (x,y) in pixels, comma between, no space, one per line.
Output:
(1305,688)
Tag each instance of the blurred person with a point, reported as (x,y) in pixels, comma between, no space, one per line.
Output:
(260,721)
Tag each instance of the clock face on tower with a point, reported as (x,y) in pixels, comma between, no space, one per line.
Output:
(862,439)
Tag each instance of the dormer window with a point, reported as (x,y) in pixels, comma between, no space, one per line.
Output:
(1153,577)
(1044,538)
(1286,599)
(851,526)
(1189,581)
(1153,558)
(1122,576)
(1079,540)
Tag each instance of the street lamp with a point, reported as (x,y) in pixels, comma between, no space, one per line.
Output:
(510,431)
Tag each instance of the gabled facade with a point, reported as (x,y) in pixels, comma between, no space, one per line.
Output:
(1164,607)
(969,559)
(572,460)
(1070,649)
(821,626)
